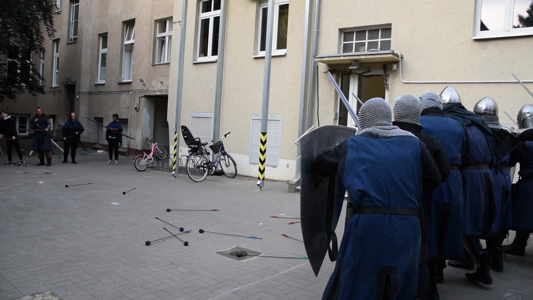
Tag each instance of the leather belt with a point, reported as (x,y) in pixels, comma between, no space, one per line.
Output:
(454,167)
(476,167)
(386,211)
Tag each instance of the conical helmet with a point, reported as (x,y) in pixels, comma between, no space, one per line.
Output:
(449,95)
(525,117)
(486,106)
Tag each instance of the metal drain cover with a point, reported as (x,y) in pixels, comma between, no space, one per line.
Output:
(238,253)
(37,173)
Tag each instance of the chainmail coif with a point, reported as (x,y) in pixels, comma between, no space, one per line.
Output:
(375,118)
(430,99)
(407,109)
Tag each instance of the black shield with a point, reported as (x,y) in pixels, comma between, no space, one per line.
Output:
(314,191)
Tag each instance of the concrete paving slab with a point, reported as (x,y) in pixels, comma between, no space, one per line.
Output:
(88,241)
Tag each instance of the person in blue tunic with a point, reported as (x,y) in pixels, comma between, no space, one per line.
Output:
(71,137)
(445,204)
(522,204)
(384,170)
(114,138)
(407,117)
(478,188)
(506,153)
(42,141)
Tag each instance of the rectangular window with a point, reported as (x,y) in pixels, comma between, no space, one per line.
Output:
(273,140)
(503,18)
(208,29)
(55,64)
(58,5)
(202,126)
(22,122)
(127,54)
(279,30)
(365,40)
(74,13)
(41,67)
(163,41)
(102,57)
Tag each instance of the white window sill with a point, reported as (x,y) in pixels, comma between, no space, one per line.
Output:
(502,34)
(262,55)
(158,64)
(205,60)
(99,83)
(125,82)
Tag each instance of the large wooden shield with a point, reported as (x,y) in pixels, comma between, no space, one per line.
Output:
(314,191)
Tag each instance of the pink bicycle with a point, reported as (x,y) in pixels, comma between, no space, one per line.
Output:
(142,161)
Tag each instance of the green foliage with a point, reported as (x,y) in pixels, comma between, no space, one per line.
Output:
(22,23)
(526,21)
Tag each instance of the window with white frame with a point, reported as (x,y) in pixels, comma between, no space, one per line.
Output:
(280,27)
(273,140)
(102,57)
(22,122)
(208,29)
(55,63)
(41,67)
(163,41)
(365,39)
(503,18)
(73,26)
(127,54)
(58,5)
(202,126)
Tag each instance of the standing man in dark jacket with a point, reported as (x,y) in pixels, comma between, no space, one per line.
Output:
(71,136)
(9,130)
(407,117)
(42,141)
(114,138)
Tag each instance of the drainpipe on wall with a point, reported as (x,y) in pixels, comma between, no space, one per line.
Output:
(179,89)
(303,87)
(313,65)
(220,69)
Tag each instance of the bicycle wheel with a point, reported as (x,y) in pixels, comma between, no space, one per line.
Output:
(228,166)
(140,164)
(161,152)
(197,167)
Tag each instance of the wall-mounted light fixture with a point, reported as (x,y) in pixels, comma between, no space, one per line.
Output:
(142,81)
(354,65)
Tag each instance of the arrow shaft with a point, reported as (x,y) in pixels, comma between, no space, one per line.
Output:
(167,223)
(234,235)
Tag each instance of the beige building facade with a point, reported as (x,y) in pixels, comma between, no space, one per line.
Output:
(123,57)
(107,57)
(373,49)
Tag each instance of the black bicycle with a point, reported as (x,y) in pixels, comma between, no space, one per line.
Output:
(198,162)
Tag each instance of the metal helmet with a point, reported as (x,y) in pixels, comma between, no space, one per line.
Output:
(486,106)
(525,117)
(449,95)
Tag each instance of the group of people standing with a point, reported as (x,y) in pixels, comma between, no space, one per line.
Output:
(41,127)
(425,189)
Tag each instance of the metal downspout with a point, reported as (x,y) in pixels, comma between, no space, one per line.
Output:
(179,88)
(220,69)
(266,96)
(311,93)
(303,85)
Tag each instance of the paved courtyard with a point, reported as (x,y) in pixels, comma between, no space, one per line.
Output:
(88,241)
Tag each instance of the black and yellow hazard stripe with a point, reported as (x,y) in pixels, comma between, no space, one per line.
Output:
(175,152)
(262,155)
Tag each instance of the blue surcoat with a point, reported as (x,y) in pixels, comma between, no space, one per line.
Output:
(445,203)
(379,246)
(478,188)
(522,202)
